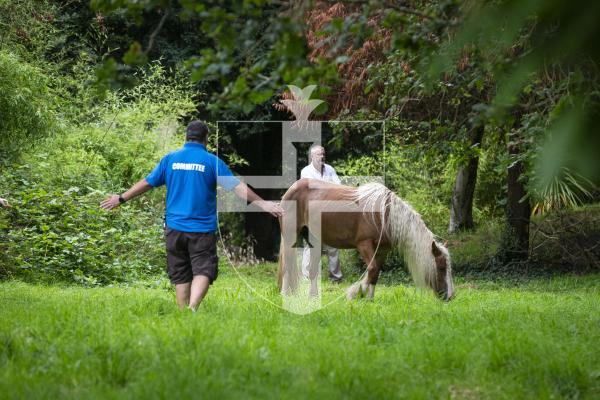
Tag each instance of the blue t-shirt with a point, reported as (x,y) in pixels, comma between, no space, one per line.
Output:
(191,175)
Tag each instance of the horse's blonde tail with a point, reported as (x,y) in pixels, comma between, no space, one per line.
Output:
(287,276)
(280,269)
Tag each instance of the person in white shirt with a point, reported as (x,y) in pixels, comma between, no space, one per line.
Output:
(317,169)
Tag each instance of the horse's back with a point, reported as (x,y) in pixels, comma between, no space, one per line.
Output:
(341,226)
(302,187)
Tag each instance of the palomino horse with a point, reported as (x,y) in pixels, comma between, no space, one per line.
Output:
(370,218)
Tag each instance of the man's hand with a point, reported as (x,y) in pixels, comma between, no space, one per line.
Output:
(244,192)
(271,207)
(111,202)
(4,203)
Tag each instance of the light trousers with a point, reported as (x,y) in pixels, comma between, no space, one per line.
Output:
(333,255)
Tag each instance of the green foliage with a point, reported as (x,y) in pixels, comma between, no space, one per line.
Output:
(62,235)
(63,43)
(523,44)
(495,56)
(30,29)
(474,251)
(564,191)
(490,192)
(26,106)
(520,38)
(245,73)
(56,230)
(138,127)
(414,172)
(132,130)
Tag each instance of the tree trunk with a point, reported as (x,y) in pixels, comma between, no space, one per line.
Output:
(260,145)
(518,212)
(461,208)
(264,229)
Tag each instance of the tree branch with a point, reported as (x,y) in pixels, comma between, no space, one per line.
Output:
(155,32)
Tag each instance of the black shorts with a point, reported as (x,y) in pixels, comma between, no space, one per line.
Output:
(190,254)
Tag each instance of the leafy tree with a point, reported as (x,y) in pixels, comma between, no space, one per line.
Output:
(524,42)
(508,87)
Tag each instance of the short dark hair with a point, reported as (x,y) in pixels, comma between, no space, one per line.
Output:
(196,130)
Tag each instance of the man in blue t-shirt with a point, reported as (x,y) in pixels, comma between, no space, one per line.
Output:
(192,175)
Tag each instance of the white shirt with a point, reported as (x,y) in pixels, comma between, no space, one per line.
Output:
(329,173)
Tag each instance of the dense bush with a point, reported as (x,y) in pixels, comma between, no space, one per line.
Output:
(568,239)
(56,229)
(416,177)
(25,105)
(131,131)
(63,235)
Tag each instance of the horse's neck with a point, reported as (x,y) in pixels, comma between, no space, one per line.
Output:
(413,239)
(408,229)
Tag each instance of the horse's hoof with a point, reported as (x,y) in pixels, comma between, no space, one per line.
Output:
(352,292)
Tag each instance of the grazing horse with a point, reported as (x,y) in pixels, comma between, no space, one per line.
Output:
(370,218)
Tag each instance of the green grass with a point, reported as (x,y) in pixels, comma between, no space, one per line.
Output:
(539,339)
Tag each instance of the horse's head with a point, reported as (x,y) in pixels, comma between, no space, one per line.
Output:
(442,282)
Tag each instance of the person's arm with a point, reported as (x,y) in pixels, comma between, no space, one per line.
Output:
(244,192)
(113,201)
(4,203)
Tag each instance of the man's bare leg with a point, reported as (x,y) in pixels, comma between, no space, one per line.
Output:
(182,292)
(199,288)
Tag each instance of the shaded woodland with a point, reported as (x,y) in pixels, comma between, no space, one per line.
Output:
(491,114)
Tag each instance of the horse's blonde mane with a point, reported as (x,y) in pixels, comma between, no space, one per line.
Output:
(405,228)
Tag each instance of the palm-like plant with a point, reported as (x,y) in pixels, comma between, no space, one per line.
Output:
(566,189)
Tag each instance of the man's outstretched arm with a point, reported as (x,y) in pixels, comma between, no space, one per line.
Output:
(113,200)
(244,192)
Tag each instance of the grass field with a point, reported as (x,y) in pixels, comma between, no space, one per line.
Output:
(538,339)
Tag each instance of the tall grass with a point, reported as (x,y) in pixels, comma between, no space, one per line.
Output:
(536,340)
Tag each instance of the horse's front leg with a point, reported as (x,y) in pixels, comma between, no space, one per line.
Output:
(356,289)
(373,271)
(367,285)
(371,278)
(370,291)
